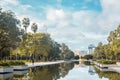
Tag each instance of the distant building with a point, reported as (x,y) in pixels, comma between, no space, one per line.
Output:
(91,48)
(80,53)
(76,52)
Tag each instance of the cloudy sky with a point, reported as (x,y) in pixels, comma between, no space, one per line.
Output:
(77,23)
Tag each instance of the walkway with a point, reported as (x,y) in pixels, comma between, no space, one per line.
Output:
(105,67)
(116,69)
(30,65)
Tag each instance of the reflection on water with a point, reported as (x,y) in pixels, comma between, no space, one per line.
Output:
(20,72)
(91,70)
(108,75)
(67,71)
(53,72)
(6,76)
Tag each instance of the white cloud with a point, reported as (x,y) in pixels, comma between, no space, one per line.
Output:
(55,16)
(13,2)
(77,29)
(22,11)
(95,26)
(25,7)
(95,36)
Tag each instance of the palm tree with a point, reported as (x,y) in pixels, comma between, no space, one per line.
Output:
(26,23)
(34,27)
(118,31)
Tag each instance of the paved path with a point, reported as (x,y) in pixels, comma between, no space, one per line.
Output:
(116,69)
(30,65)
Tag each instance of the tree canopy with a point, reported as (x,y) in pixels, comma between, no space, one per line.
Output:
(112,49)
(15,41)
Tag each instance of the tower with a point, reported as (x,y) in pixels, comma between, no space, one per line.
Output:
(90,48)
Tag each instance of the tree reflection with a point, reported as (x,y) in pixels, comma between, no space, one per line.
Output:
(53,72)
(109,75)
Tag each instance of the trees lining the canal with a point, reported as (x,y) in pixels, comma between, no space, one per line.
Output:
(9,32)
(15,41)
(111,50)
(41,47)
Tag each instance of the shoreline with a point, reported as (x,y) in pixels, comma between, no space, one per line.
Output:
(31,65)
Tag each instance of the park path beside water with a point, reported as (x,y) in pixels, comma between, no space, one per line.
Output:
(30,65)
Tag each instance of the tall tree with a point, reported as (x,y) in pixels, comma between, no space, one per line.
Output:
(99,51)
(34,27)
(112,49)
(25,23)
(9,28)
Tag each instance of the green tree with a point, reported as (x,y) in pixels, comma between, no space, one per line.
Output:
(34,27)
(88,56)
(112,49)
(65,51)
(9,31)
(25,23)
(99,51)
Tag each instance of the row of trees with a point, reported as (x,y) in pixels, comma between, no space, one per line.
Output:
(111,50)
(16,42)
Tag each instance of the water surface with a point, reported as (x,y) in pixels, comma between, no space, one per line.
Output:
(66,71)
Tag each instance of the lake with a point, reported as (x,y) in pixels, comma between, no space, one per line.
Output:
(64,71)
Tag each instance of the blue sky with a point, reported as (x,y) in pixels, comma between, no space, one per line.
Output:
(77,23)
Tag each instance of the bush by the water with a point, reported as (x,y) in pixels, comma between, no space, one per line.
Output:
(3,64)
(11,63)
(106,62)
(88,56)
(15,63)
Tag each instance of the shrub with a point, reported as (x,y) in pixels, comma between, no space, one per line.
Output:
(106,62)
(88,56)
(11,63)
(15,63)
(3,64)
(76,57)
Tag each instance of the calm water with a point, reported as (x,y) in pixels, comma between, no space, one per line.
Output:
(67,71)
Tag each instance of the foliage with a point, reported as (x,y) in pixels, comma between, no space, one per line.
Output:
(66,53)
(11,63)
(3,64)
(26,23)
(17,43)
(16,63)
(9,32)
(53,72)
(111,50)
(41,46)
(88,56)
(106,62)
(87,62)
(109,75)
(34,27)
(76,57)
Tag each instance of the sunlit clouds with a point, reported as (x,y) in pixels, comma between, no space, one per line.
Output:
(77,23)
